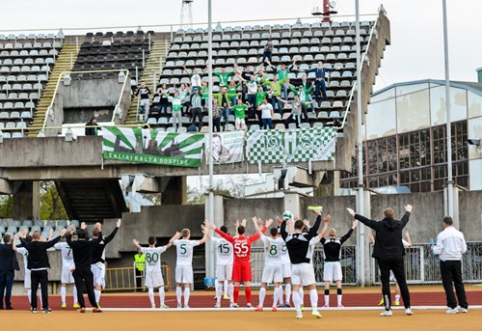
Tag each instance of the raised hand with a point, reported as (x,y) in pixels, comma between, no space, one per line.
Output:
(318,212)
(278,220)
(135,242)
(236,224)
(63,232)
(260,222)
(254,219)
(355,224)
(327,219)
(296,217)
(408,208)
(350,211)
(118,224)
(98,225)
(269,222)
(244,222)
(83,226)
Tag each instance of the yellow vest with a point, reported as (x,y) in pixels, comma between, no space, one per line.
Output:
(140,261)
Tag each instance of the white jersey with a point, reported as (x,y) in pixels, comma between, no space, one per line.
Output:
(184,249)
(405,243)
(273,249)
(23,251)
(153,258)
(67,256)
(224,251)
(285,257)
(311,248)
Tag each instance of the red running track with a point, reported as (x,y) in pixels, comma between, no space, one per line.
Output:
(207,300)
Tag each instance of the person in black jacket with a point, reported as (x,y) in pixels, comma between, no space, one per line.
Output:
(302,273)
(38,263)
(91,127)
(267,52)
(82,252)
(389,252)
(8,265)
(98,258)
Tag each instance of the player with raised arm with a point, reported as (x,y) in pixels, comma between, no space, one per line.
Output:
(98,259)
(224,263)
(242,263)
(302,273)
(68,267)
(153,267)
(332,265)
(285,265)
(82,250)
(184,273)
(272,271)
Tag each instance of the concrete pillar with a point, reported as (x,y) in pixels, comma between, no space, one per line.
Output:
(456,211)
(218,220)
(22,201)
(6,187)
(175,192)
(36,200)
(292,202)
(363,256)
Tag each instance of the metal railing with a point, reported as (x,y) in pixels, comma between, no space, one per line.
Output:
(125,279)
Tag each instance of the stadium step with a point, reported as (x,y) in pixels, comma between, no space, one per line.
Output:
(150,75)
(64,62)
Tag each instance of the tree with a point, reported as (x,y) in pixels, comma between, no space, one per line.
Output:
(6,206)
(51,205)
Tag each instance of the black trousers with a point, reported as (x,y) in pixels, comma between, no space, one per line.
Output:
(451,272)
(398,268)
(138,278)
(39,277)
(197,117)
(84,275)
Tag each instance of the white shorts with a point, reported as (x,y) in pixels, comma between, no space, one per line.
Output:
(98,270)
(27,282)
(66,277)
(332,272)
(184,274)
(224,272)
(302,274)
(154,279)
(392,277)
(272,274)
(286,270)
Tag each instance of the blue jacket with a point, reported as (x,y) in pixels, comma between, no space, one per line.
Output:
(8,260)
(320,73)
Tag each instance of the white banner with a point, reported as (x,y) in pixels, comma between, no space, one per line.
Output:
(227,147)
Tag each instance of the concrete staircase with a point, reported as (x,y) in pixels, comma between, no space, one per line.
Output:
(64,62)
(159,51)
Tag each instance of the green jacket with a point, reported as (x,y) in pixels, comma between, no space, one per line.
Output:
(305,92)
(275,86)
(219,96)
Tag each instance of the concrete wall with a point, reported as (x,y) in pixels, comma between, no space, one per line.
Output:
(88,93)
(471,214)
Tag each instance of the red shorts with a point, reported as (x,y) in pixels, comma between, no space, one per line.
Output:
(242,271)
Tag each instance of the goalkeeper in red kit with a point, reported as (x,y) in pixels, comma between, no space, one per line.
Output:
(242,257)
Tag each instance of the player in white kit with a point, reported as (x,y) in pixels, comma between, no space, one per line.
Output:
(286,265)
(272,271)
(224,265)
(184,273)
(153,272)
(67,268)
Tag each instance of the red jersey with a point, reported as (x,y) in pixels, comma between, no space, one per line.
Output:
(241,244)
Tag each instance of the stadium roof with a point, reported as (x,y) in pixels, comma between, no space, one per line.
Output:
(470,86)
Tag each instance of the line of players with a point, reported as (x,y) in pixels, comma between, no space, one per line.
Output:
(288,254)
(95,258)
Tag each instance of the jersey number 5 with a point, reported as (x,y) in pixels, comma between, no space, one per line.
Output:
(183,249)
(241,248)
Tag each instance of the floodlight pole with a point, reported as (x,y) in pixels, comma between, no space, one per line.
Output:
(450,197)
(210,139)
(360,202)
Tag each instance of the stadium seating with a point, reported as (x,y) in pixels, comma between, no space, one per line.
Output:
(13,226)
(25,65)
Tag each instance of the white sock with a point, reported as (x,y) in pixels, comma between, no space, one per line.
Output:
(288,293)
(178,294)
(97,296)
(296,301)
(219,293)
(281,296)
(226,287)
(187,293)
(262,294)
(338,298)
(302,296)
(231,292)
(216,283)
(29,295)
(162,295)
(276,295)
(314,300)
(327,300)
(63,292)
(74,293)
(151,296)
(397,298)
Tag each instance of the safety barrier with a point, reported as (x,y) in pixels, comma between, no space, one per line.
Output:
(125,279)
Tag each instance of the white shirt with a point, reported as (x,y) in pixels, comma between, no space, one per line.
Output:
(153,258)
(273,249)
(224,251)
(184,249)
(67,256)
(311,248)
(253,86)
(195,80)
(24,252)
(285,257)
(266,110)
(450,244)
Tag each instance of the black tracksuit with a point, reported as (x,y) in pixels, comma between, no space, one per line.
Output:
(298,243)
(389,252)
(82,252)
(38,263)
(332,247)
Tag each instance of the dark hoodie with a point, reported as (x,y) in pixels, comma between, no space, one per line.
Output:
(388,241)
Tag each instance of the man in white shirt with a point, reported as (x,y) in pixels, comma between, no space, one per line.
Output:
(267,114)
(184,272)
(450,247)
